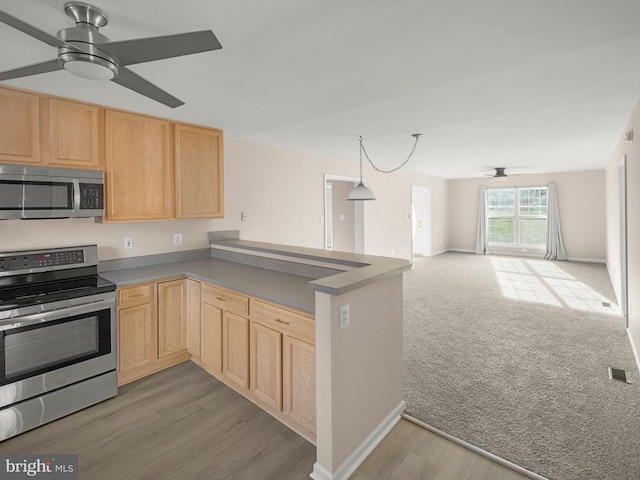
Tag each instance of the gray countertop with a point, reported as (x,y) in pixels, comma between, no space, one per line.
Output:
(292,286)
(362,270)
(283,288)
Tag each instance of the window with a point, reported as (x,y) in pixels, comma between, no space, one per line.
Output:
(517,216)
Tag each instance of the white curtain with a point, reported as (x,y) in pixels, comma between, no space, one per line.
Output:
(481,236)
(555,246)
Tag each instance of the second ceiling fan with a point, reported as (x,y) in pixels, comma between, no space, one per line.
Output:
(84,51)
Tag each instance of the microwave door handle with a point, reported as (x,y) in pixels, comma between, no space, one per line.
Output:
(76,196)
(44,317)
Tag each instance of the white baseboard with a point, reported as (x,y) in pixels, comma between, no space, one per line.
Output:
(587,260)
(519,254)
(353,461)
(461,250)
(633,348)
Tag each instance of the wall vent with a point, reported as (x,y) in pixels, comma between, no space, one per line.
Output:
(606,304)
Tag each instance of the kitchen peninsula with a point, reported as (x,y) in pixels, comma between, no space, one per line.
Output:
(345,310)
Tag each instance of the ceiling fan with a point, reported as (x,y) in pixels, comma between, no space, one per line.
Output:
(500,173)
(84,51)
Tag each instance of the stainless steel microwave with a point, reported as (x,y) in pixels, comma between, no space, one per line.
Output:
(40,192)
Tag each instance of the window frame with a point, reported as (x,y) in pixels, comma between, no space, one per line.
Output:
(516,216)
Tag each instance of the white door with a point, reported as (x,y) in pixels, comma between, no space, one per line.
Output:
(421,220)
(623,238)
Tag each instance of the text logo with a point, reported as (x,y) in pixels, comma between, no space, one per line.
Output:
(45,467)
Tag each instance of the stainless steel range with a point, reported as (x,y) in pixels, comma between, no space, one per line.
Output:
(57,336)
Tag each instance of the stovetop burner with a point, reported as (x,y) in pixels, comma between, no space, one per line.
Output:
(42,276)
(34,294)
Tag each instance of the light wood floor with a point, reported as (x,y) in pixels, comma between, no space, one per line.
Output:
(184,424)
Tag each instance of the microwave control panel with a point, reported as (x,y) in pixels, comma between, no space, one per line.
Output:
(91,196)
(39,260)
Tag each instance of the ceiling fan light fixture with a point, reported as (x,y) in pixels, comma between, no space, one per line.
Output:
(88,66)
(361,192)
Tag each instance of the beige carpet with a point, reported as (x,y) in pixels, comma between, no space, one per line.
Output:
(511,354)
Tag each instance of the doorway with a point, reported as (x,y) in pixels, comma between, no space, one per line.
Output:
(622,175)
(343,219)
(420,221)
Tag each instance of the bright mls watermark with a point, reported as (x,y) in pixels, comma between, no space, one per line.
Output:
(49,467)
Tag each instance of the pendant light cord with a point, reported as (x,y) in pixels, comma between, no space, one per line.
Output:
(362,149)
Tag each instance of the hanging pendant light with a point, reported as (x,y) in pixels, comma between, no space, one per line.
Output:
(361,191)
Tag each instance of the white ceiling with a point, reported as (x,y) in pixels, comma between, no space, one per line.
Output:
(546,84)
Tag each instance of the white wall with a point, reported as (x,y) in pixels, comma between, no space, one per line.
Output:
(581,201)
(632,151)
(282,192)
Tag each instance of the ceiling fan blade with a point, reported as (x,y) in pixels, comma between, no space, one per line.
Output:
(130,52)
(35,69)
(135,82)
(32,31)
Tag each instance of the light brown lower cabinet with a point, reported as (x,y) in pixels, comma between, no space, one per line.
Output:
(266,366)
(224,335)
(235,349)
(261,350)
(299,382)
(172,325)
(151,328)
(283,365)
(211,337)
(136,333)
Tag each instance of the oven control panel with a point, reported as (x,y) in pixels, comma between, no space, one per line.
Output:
(28,261)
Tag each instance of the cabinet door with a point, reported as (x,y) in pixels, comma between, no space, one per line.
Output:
(19,127)
(199,172)
(193,317)
(136,331)
(236,349)
(299,383)
(139,167)
(266,366)
(172,331)
(73,134)
(211,336)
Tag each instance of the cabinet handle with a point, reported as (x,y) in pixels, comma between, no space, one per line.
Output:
(136,295)
(221,299)
(284,322)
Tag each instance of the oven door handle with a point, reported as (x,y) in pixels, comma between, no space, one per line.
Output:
(43,317)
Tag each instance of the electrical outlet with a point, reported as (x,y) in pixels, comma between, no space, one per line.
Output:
(128,243)
(344,316)
(177,239)
(243,216)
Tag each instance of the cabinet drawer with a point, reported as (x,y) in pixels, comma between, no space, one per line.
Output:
(285,321)
(134,295)
(224,299)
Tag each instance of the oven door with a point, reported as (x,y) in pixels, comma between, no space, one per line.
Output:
(43,351)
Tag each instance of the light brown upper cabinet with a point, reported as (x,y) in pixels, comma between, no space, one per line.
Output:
(199,172)
(38,130)
(138,167)
(19,127)
(73,134)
